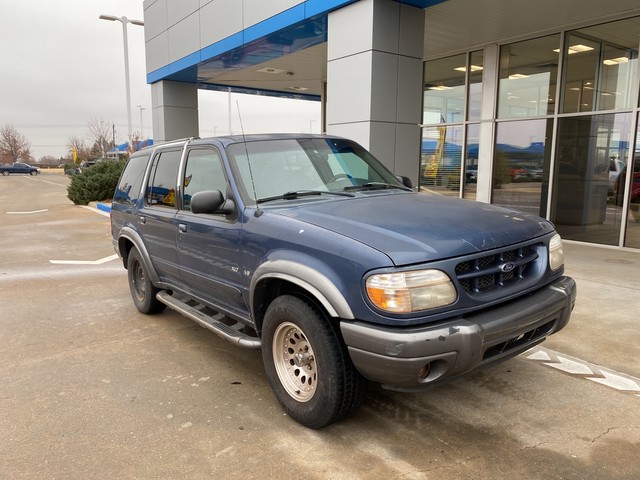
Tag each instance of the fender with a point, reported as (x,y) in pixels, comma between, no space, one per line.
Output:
(133,236)
(308,278)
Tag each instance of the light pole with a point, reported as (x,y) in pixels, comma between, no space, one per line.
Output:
(124,21)
(141,108)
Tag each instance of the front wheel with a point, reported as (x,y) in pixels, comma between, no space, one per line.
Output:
(307,363)
(142,290)
(5,172)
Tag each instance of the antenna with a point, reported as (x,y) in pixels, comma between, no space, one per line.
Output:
(258,212)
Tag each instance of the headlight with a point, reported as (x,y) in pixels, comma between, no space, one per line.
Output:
(556,254)
(407,292)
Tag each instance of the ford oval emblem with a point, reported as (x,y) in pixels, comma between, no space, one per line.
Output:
(507,267)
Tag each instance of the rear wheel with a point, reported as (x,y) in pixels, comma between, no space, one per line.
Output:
(5,172)
(142,290)
(307,363)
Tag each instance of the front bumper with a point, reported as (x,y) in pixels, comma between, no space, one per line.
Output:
(412,359)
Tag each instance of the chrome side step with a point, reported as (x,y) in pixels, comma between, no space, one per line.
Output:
(211,322)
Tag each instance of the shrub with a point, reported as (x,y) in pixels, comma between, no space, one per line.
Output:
(96,183)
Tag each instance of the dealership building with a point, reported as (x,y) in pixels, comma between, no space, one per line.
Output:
(530,105)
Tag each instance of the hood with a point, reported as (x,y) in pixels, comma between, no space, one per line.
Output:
(415,228)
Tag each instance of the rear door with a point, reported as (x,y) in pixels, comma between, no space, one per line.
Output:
(209,244)
(157,218)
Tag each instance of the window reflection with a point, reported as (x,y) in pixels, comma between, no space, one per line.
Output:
(585,205)
(471,161)
(441,159)
(633,220)
(444,90)
(521,163)
(601,67)
(475,68)
(528,73)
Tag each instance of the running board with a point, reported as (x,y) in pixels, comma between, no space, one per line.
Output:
(210,322)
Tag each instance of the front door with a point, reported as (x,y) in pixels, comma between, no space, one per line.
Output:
(209,244)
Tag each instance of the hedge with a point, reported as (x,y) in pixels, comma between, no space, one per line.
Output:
(96,183)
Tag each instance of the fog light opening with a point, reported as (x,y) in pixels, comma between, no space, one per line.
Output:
(424,371)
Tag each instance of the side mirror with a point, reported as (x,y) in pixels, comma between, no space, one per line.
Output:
(207,201)
(406,181)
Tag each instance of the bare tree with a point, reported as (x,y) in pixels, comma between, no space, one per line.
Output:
(101,136)
(78,152)
(48,161)
(14,147)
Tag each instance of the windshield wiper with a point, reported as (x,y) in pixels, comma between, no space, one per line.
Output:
(302,193)
(377,186)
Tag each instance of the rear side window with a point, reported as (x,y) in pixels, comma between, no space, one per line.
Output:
(161,190)
(128,191)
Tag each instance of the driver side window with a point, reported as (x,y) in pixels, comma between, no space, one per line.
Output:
(203,172)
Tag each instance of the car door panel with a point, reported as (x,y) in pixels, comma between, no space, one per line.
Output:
(208,244)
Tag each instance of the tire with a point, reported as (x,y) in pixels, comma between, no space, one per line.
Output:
(5,173)
(142,290)
(307,363)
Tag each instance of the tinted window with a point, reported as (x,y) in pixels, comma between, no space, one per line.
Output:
(203,172)
(162,181)
(128,191)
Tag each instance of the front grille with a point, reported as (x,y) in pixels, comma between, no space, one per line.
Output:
(502,269)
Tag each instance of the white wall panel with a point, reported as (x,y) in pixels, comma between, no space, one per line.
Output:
(384,79)
(218,20)
(175,110)
(349,89)
(407,151)
(386,27)
(155,19)
(179,10)
(256,11)
(157,52)
(349,32)
(411,35)
(184,38)
(409,107)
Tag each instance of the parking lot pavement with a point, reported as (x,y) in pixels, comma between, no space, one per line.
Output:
(607,316)
(92,389)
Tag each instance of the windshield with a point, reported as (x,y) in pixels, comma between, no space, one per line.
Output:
(277,168)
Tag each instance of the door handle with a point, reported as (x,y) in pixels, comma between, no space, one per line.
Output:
(182,227)
(143,220)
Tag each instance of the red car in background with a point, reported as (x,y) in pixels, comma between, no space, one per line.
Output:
(635,184)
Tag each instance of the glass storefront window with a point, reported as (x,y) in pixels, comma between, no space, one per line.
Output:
(528,75)
(441,159)
(601,67)
(521,165)
(471,161)
(444,90)
(581,73)
(633,220)
(585,206)
(475,68)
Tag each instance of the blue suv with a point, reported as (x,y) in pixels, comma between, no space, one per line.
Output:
(308,248)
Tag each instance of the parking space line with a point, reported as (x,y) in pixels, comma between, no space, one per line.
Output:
(85,262)
(583,369)
(28,213)
(95,210)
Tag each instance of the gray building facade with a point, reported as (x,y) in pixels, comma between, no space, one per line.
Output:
(531,105)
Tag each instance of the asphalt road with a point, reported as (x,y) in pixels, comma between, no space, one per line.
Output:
(91,389)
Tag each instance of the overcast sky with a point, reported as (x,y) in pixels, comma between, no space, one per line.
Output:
(62,67)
